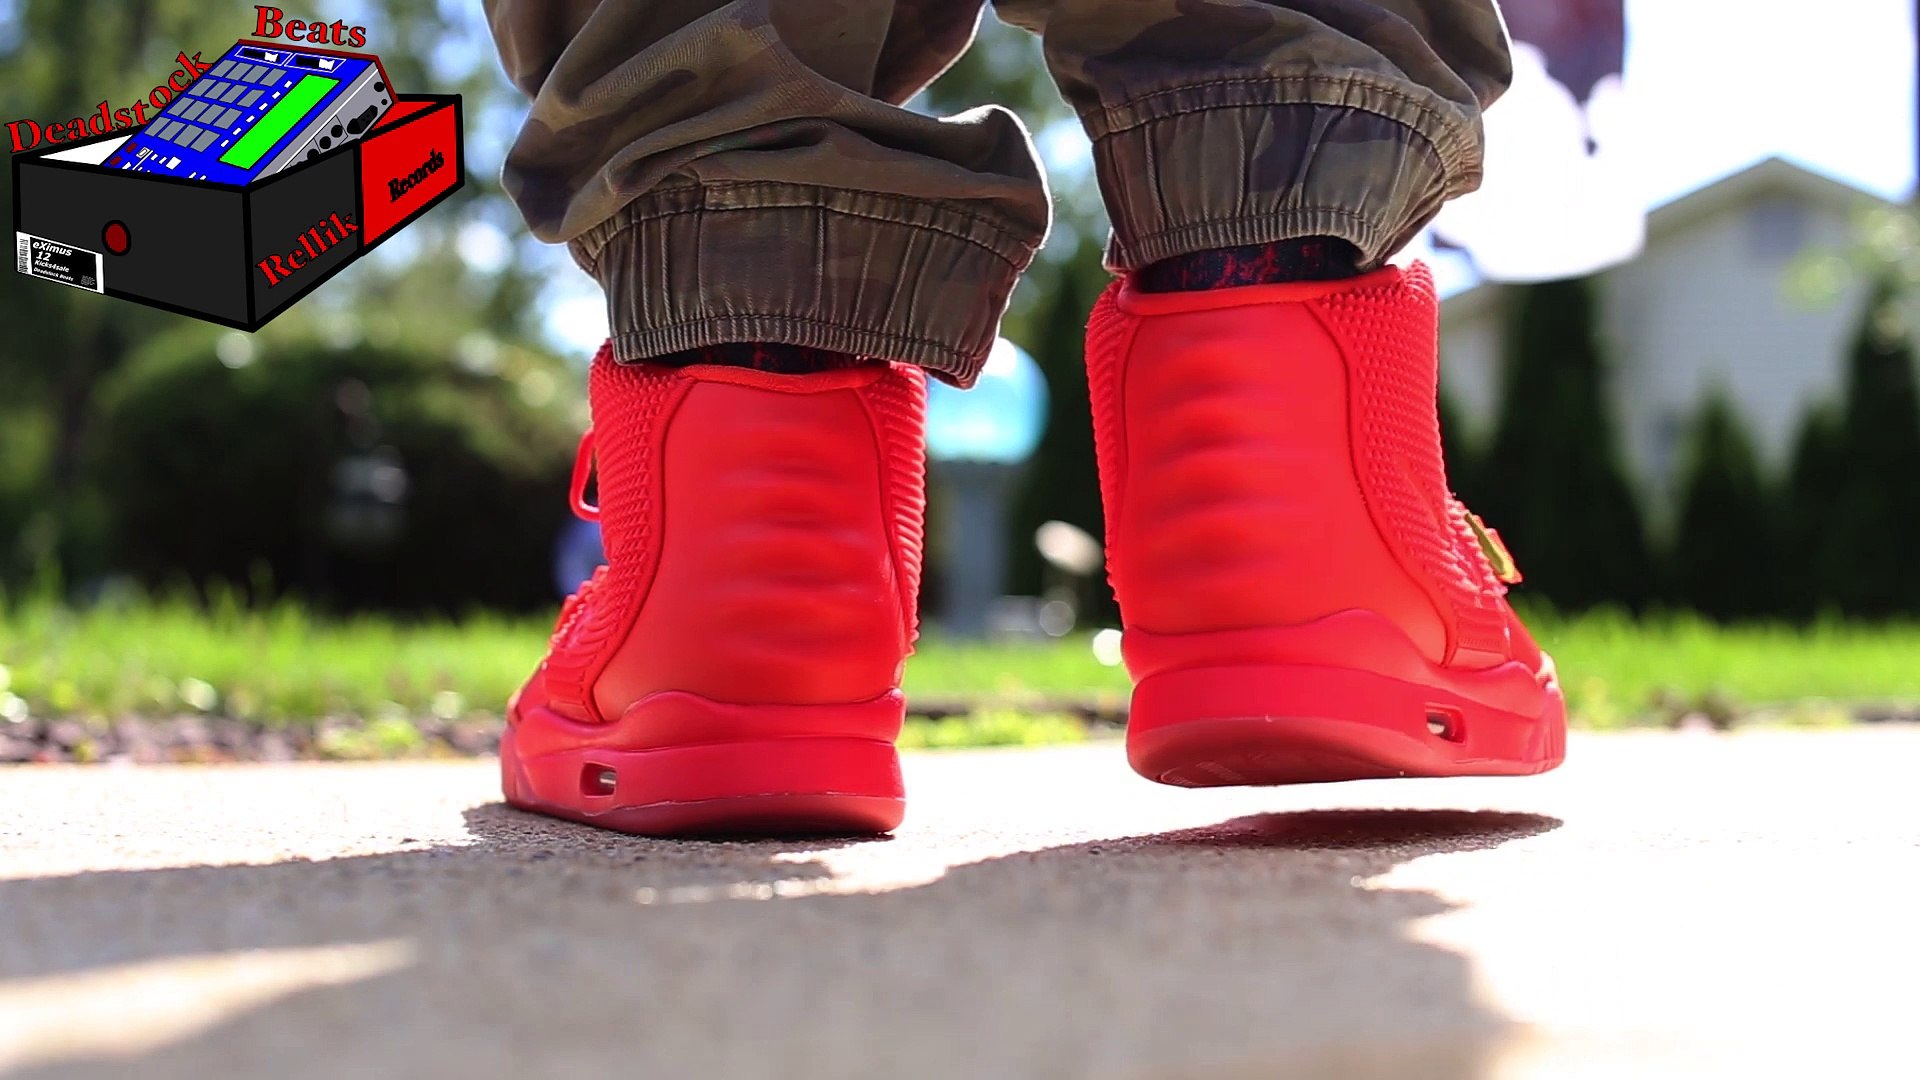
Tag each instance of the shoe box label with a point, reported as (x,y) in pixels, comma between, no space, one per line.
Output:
(36,256)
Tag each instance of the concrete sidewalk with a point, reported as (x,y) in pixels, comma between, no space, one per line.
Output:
(1666,905)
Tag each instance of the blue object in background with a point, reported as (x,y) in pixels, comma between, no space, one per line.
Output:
(1000,420)
(977,441)
(577,553)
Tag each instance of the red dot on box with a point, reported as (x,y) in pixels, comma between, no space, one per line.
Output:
(116,237)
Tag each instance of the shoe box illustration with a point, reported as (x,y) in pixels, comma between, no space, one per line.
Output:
(270,173)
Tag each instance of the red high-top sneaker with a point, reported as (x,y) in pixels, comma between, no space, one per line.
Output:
(736,665)
(1303,598)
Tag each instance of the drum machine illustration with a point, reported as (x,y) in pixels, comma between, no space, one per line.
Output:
(259,110)
(272,171)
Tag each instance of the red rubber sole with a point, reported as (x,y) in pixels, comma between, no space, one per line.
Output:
(766,771)
(1306,724)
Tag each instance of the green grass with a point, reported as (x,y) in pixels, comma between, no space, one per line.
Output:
(286,665)
(943,668)
(274,666)
(1619,671)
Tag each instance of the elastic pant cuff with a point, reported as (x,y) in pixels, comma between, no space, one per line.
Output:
(1255,160)
(858,272)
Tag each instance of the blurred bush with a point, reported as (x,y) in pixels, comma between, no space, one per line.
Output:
(1815,480)
(1464,453)
(1874,507)
(24,437)
(355,475)
(1834,535)
(1727,550)
(1552,480)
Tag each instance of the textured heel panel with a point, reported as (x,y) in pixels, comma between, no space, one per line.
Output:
(1109,332)
(1387,333)
(778,579)
(736,665)
(897,405)
(1304,600)
(1228,475)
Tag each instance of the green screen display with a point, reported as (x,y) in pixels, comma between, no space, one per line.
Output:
(279,120)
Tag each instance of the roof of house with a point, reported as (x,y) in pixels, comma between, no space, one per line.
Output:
(1774,175)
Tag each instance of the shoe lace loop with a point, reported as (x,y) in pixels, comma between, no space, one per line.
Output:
(571,609)
(583,472)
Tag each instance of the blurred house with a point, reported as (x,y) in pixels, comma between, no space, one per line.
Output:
(1711,300)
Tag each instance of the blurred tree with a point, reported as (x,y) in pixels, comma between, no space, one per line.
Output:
(1552,480)
(1463,450)
(1876,505)
(1816,555)
(1854,491)
(1726,560)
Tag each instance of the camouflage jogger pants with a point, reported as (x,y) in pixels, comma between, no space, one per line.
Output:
(744,170)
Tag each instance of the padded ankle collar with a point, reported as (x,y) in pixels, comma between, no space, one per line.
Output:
(818,382)
(814,383)
(1133,301)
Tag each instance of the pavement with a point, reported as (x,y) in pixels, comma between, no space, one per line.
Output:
(1685,905)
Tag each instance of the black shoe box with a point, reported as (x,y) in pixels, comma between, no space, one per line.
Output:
(237,256)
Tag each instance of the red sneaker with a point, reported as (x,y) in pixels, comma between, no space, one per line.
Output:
(736,665)
(1304,600)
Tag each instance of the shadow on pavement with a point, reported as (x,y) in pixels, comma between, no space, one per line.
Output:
(1255,947)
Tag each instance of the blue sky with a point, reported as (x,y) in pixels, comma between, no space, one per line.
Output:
(1714,85)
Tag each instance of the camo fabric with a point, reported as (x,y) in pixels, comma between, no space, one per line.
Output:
(745,171)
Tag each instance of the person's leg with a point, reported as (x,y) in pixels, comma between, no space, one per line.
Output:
(783,248)
(1219,124)
(742,172)
(1304,600)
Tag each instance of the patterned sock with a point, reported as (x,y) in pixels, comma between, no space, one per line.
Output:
(764,356)
(1307,258)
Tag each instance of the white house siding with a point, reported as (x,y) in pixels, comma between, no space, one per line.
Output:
(1713,307)
(1470,358)
(1708,303)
